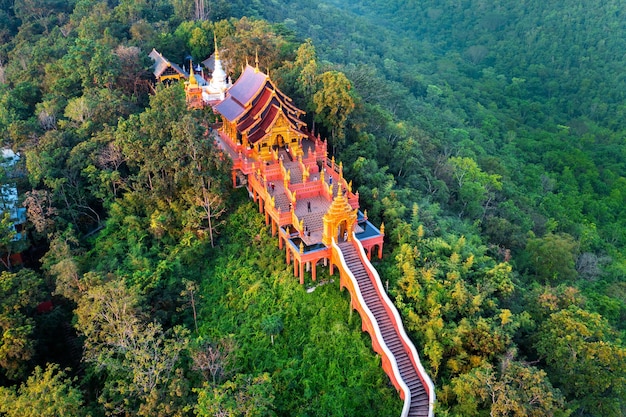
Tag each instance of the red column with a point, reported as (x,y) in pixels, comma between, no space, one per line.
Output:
(301,273)
(313,271)
(273,226)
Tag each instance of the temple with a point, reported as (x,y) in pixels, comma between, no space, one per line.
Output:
(314,212)
(302,192)
(165,71)
(201,89)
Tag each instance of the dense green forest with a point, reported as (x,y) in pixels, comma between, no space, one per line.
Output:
(487,136)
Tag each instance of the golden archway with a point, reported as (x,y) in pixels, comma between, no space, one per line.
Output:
(339,220)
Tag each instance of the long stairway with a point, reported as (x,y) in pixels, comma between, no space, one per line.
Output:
(419,405)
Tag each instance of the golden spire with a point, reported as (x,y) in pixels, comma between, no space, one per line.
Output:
(192,77)
(256,60)
(217,53)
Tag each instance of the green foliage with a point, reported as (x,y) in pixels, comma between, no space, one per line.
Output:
(552,257)
(46,393)
(140,360)
(21,292)
(320,364)
(516,390)
(473,115)
(244,395)
(585,360)
(334,103)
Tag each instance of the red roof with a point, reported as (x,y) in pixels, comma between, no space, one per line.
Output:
(254,103)
(241,93)
(267,121)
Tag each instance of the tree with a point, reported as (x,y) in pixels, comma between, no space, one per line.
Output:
(272,325)
(585,360)
(46,393)
(306,63)
(516,390)
(142,362)
(333,104)
(552,257)
(474,188)
(249,39)
(61,263)
(21,292)
(214,360)
(244,395)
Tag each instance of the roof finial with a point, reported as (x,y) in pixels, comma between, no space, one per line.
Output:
(217,53)
(192,77)
(256,60)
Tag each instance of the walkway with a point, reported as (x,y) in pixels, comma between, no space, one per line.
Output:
(418,384)
(294,194)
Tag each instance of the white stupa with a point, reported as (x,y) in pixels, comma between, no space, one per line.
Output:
(216,89)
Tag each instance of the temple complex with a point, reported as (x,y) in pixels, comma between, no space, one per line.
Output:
(302,192)
(312,209)
(201,89)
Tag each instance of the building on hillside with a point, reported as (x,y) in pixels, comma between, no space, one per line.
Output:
(219,82)
(261,118)
(315,213)
(201,89)
(286,169)
(165,71)
(9,203)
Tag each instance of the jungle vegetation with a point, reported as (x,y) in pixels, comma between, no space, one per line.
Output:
(487,136)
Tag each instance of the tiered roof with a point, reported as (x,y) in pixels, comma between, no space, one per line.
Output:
(254,103)
(161,64)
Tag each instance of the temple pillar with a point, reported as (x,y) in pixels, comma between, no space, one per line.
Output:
(267,221)
(332,268)
(301,273)
(295,267)
(288,255)
(313,271)
(280,242)
(260,204)
(234,179)
(273,226)
(380,251)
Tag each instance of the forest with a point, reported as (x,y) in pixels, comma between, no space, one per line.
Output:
(487,136)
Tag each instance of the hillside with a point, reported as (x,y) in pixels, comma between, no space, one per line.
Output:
(487,137)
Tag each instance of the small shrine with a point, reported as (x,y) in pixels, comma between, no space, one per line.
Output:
(165,71)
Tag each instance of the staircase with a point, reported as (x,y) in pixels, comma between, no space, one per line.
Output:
(296,172)
(417,401)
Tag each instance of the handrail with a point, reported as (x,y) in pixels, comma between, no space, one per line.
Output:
(420,368)
(378,334)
